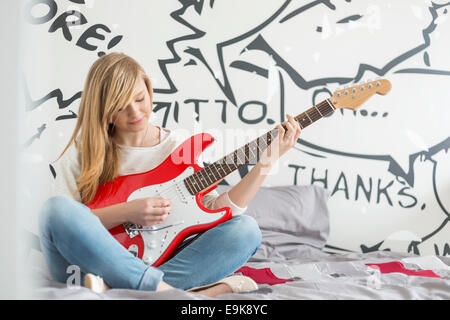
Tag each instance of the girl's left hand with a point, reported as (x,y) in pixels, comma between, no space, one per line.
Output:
(284,141)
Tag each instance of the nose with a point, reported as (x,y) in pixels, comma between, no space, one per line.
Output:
(133,110)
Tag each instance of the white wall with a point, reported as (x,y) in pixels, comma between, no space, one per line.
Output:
(12,240)
(247,63)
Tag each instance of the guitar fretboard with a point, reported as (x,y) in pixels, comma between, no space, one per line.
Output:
(211,174)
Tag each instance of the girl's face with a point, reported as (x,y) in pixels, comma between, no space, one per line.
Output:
(135,116)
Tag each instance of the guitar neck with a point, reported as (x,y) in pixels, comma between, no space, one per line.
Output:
(215,172)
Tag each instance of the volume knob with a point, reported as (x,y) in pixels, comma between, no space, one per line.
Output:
(151,244)
(147,260)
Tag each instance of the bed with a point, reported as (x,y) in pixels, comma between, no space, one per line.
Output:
(293,261)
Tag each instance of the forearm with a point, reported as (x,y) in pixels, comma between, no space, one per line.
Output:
(244,191)
(112,216)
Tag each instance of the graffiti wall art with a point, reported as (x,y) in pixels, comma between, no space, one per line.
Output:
(236,68)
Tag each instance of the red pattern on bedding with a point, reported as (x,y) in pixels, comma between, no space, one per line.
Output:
(396,266)
(262,276)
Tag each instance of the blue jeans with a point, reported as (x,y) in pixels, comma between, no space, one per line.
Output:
(70,234)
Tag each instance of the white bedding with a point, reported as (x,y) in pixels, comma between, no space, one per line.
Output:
(292,264)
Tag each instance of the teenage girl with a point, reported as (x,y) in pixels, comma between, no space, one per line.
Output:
(113,137)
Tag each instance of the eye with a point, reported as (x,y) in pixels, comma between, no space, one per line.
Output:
(140,100)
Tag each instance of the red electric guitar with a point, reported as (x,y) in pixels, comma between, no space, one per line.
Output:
(180,178)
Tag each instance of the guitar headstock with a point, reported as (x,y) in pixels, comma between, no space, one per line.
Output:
(354,96)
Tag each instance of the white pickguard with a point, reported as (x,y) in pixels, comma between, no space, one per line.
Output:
(184,213)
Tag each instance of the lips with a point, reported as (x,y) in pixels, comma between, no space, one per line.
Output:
(136,122)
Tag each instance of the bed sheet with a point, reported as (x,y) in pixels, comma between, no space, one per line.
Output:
(314,274)
(292,261)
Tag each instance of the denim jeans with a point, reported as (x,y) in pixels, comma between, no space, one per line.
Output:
(70,234)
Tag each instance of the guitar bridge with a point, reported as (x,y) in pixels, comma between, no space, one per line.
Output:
(154,228)
(131,229)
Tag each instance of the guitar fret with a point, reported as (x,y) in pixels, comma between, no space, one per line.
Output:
(258,143)
(228,169)
(195,184)
(239,161)
(226,162)
(321,110)
(210,174)
(203,179)
(325,109)
(212,171)
(268,140)
(188,185)
(206,173)
(314,115)
(318,111)
(200,180)
(300,122)
(256,148)
(310,121)
(188,181)
(241,152)
(250,149)
(230,161)
(235,157)
(224,165)
(304,121)
(331,106)
(247,152)
(271,134)
(217,167)
(221,166)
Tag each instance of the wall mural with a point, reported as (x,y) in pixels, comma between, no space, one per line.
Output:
(239,66)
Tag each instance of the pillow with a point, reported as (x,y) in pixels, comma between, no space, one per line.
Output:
(299,212)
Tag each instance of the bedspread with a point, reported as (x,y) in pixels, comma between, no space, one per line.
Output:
(291,262)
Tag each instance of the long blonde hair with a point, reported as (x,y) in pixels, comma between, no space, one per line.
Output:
(109,86)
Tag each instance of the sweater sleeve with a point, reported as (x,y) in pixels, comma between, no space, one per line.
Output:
(214,201)
(67,169)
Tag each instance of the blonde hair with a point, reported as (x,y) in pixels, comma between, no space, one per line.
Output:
(109,86)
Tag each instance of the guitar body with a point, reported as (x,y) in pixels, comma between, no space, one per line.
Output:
(179,178)
(155,244)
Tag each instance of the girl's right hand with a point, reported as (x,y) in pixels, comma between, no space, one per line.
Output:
(148,211)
